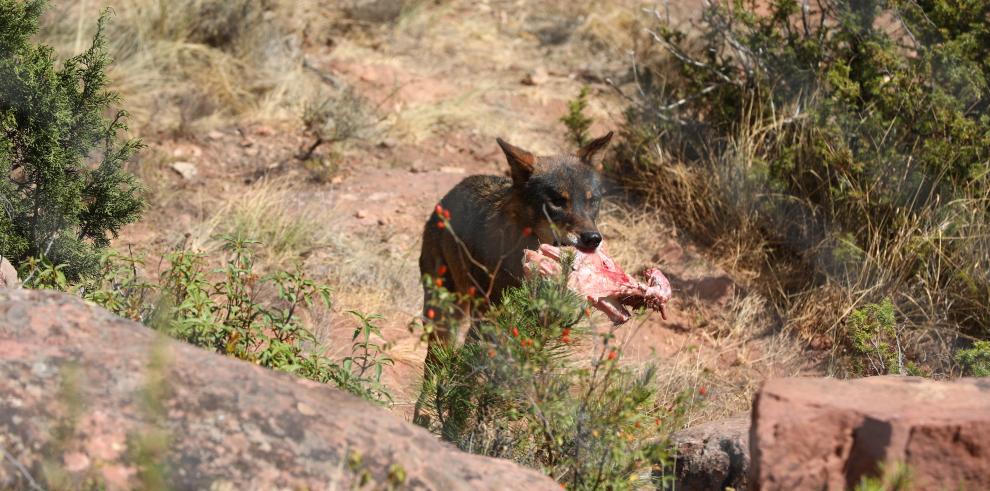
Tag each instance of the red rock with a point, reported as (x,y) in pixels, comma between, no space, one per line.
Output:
(713,455)
(229,424)
(813,433)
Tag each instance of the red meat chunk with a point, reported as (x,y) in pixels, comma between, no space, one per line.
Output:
(596,277)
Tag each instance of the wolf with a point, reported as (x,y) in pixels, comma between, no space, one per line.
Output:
(474,240)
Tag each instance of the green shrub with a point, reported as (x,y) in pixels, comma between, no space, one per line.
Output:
(976,360)
(576,121)
(875,342)
(234,311)
(524,388)
(63,190)
(843,153)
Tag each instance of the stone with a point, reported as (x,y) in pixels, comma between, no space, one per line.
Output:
(227,424)
(8,274)
(539,76)
(818,433)
(187,170)
(713,455)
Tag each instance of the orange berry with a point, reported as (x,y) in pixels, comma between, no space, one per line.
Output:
(442,270)
(439,282)
(491,353)
(471,291)
(515,332)
(658,421)
(587,312)
(612,355)
(527,231)
(430,313)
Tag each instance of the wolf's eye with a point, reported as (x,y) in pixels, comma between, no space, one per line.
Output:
(556,201)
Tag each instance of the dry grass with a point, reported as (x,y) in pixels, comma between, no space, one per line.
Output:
(188,65)
(270,213)
(933,264)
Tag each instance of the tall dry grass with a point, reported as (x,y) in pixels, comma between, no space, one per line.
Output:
(188,65)
(934,265)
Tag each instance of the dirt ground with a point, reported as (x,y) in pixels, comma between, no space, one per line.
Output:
(443,80)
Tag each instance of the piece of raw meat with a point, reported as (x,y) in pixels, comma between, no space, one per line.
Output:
(596,277)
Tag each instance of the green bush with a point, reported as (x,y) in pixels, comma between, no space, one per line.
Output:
(527,387)
(576,121)
(844,151)
(976,360)
(63,190)
(233,311)
(874,341)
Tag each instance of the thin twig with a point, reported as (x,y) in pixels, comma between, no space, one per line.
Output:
(22,470)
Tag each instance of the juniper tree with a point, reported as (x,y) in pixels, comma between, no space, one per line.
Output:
(63,190)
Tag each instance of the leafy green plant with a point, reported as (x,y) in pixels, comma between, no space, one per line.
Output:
(523,388)
(976,360)
(576,121)
(894,476)
(368,358)
(63,190)
(232,310)
(873,336)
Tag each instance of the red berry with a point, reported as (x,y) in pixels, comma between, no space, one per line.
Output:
(430,313)
(439,209)
(439,282)
(471,291)
(703,391)
(446,214)
(612,355)
(515,332)
(527,231)
(442,270)
(441,225)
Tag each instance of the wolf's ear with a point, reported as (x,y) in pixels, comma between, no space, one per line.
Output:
(588,152)
(521,162)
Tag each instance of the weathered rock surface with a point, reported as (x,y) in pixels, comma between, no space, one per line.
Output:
(8,275)
(75,386)
(813,433)
(713,456)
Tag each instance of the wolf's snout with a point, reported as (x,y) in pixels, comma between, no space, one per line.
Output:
(589,240)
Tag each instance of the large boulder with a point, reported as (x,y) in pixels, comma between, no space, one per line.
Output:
(713,456)
(814,433)
(89,397)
